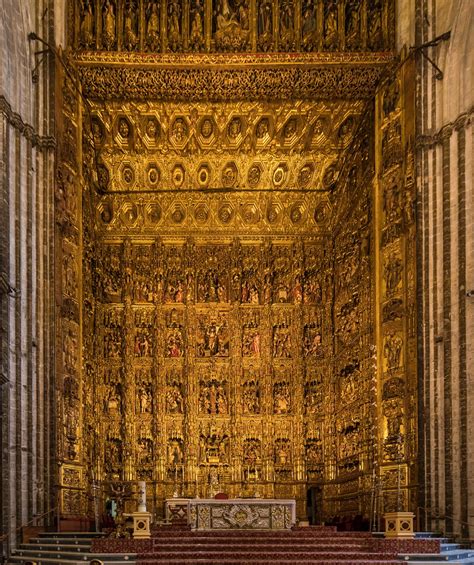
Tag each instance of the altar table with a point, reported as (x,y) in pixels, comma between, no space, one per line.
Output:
(241,514)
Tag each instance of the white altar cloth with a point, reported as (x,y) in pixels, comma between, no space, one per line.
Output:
(241,514)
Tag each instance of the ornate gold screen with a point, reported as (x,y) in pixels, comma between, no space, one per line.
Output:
(244,316)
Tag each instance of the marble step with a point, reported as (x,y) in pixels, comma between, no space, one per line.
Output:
(62,541)
(68,556)
(57,547)
(450,556)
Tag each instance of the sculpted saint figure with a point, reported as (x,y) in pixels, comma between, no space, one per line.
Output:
(330,25)
(87,24)
(153,26)
(196,36)
(109,24)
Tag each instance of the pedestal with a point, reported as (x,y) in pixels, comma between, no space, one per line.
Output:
(141,525)
(399,525)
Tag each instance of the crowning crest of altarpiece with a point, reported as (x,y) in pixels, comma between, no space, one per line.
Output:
(235,244)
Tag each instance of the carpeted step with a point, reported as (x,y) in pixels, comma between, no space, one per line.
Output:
(263,561)
(14,559)
(252,556)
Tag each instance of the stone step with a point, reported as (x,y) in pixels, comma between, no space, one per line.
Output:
(451,555)
(64,542)
(56,547)
(467,561)
(71,534)
(67,557)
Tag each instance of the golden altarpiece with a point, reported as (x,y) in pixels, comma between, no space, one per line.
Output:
(235,244)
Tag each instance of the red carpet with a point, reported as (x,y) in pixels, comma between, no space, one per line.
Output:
(301,546)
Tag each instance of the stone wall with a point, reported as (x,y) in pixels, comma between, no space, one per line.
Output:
(446,264)
(26,207)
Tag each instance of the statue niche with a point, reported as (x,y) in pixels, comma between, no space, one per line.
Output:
(87,24)
(214,447)
(212,286)
(252,450)
(109,25)
(265,25)
(251,396)
(174,395)
(308,25)
(152,26)
(287,25)
(174,342)
(231,23)
(281,340)
(251,335)
(282,452)
(130,26)
(212,337)
(313,396)
(196,36)
(312,341)
(281,398)
(213,397)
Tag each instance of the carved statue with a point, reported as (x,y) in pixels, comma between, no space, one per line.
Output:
(281,342)
(145,451)
(114,402)
(353,9)
(330,25)
(174,26)
(179,130)
(213,398)
(153,25)
(393,351)
(197,29)
(287,10)
(281,398)
(251,343)
(70,274)
(393,270)
(108,19)
(87,24)
(312,344)
(394,413)
(130,27)
(174,399)
(265,24)
(375,25)
(308,26)
(213,340)
(143,343)
(232,25)
(144,399)
(251,398)
(282,452)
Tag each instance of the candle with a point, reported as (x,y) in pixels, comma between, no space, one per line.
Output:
(141,496)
